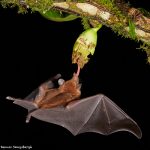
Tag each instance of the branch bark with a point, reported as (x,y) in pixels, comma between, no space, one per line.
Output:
(126,21)
(95,11)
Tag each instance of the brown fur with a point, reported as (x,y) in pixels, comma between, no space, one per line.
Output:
(66,93)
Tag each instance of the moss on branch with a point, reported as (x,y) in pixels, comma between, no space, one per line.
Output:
(120,17)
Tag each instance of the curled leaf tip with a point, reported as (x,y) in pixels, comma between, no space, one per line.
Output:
(57,16)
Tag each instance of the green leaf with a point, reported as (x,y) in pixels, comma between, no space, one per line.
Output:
(58,16)
(132,29)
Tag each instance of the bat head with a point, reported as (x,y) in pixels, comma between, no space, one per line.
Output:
(71,86)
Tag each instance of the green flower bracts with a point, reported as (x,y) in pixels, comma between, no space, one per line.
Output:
(84,46)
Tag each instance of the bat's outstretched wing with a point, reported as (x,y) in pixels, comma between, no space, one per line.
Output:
(29,105)
(93,114)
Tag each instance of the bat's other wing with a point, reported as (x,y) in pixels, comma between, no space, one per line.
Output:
(29,105)
(49,83)
(93,114)
(27,102)
(32,95)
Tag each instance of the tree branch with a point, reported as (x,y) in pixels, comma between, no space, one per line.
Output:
(100,13)
(121,18)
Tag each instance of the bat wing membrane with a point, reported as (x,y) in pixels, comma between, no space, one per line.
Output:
(108,118)
(49,83)
(25,104)
(32,95)
(72,118)
(93,114)
(27,101)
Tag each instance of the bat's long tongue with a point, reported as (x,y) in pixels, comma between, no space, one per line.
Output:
(78,71)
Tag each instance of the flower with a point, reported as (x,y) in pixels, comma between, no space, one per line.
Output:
(84,46)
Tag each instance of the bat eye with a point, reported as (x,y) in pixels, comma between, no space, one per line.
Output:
(61,82)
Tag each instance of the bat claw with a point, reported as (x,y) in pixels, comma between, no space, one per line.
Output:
(10,98)
(28,118)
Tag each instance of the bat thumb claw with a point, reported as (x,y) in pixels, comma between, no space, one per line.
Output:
(10,98)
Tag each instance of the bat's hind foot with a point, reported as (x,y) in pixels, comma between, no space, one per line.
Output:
(28,118)
(30,114)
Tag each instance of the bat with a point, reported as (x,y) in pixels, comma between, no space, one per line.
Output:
(62,106)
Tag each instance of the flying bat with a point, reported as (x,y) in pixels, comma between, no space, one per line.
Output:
(62,106)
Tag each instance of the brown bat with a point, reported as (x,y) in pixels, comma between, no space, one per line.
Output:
(63,107)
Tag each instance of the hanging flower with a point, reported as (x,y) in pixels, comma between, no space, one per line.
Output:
(84,46)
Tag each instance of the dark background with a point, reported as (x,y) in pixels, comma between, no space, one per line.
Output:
(32,49)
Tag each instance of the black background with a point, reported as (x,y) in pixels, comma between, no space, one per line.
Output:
(32,49)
